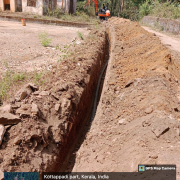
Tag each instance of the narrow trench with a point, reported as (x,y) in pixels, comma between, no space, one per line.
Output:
(70,161)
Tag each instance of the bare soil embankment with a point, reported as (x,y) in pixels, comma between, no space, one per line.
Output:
(42,125)
(137,119)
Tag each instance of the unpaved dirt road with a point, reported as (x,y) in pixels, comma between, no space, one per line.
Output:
(21,47)
(173,43)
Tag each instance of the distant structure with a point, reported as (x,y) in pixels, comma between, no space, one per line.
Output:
(38,7)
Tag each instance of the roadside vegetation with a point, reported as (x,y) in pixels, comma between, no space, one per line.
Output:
(8,79)
(82,14)
(133,10)
(169,10)
(11,80)
(137,9)
(44,39)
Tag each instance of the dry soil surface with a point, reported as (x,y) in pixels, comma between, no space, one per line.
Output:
(38,122)
(137,120)
(171,41)
(21,48)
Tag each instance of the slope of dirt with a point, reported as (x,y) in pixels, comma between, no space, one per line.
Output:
(51,119)
(137,120)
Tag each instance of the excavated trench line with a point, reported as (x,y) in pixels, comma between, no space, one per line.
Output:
(98,92)
(86,116)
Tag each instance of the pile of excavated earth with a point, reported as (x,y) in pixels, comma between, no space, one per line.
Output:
(137,118)
(38,126)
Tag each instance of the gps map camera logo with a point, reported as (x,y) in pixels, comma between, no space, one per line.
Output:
(141,168)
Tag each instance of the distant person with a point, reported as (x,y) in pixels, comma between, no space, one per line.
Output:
(104,7)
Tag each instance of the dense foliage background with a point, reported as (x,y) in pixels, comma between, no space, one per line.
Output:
(135,9)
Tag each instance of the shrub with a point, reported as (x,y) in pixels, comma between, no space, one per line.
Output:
(165,10)
(45,41)
(145,8)
(58,12)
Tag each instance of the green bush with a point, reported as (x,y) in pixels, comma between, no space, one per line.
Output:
(165,10)
(91,11)
(43,37)
(145,8)
(58,12)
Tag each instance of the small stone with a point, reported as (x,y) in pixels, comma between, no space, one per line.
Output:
(6,108)
(65,67)
(46,107)
(57,106)
(129,83)
(25,91)
(24,109)
(153,157)
(32,86)
(63,87)
(44,93)
(149,110)
(65,105)
(36,92)
(17,140)
(55,95)
(34,109)
(78,42)
(122,121)
(159,130)
(8,118)
(23,95)
(68,96)
(39,96)
(2,131)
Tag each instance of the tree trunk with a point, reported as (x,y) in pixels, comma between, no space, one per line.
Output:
(119,11)
(71,7)
(122,5)
(112,7)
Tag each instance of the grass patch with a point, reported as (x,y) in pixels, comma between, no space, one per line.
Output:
(8,79)
(80,35)
(19,77)
(65,53)
(39,77)
(43,37)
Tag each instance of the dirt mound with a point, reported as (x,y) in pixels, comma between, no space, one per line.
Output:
(137,117)
(51,118)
